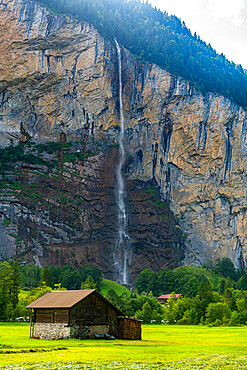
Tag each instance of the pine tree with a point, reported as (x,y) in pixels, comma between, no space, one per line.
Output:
(89,283)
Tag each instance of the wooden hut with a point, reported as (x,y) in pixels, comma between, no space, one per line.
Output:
(74,313)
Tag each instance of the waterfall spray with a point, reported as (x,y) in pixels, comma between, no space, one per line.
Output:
(122,253)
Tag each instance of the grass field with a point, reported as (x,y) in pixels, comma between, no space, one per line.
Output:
(162,347)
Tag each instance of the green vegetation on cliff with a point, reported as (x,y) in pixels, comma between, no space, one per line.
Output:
(30,172)
(155,37)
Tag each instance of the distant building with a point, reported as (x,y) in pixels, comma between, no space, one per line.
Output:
(79,314)
(164,297)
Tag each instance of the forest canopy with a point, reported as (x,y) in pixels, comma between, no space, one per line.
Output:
(154,36)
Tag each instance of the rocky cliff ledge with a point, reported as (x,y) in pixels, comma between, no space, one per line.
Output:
(185,173)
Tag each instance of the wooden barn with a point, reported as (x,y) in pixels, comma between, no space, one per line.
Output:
(78,314)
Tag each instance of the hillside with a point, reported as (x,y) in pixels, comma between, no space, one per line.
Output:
(107,284)
(161,39)
(211,276)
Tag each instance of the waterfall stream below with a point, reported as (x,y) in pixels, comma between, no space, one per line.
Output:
(122,253)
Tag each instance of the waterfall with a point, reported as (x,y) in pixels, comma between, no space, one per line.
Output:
(122,253)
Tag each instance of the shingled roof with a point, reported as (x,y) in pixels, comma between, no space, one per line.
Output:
(67,299)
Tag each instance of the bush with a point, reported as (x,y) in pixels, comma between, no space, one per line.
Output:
(219,312)
(235,319)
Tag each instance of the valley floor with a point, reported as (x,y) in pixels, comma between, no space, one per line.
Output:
(162,347)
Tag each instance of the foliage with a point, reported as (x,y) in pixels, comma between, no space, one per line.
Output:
(13,154)
(30,276)
(225,267)
(185,280)
(9,289)
(112,296)
(208,307)
(147,282)
(166,280)
(206,300)
(144,307)
(45,276)
(89,283)
(218,313)
(39,281)
(195,308)
(242,282)
(161,39)
(68,277)
(106,285)
(39,291)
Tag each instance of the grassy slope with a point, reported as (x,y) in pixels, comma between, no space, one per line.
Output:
(106,285)
(180,346)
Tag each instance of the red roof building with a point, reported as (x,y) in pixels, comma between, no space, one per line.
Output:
(164,297)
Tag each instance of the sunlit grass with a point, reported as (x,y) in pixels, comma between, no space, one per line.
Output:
(106,285)
(170,347)
(24,293)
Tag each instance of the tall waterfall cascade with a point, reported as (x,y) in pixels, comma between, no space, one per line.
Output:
(122,254)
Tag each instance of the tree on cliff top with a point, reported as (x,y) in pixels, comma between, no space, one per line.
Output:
(153,36)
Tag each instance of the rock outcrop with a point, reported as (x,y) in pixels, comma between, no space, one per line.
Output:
(185,173)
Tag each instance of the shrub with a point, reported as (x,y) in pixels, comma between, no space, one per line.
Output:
(218,311)
(235,319)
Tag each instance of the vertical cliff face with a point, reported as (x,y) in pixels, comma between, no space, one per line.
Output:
(195,148)
(185,168)
(56,73)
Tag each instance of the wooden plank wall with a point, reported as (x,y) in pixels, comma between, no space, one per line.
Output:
(52,316)
(129,329)
(91,311)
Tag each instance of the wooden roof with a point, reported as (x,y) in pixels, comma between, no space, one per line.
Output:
(67,299)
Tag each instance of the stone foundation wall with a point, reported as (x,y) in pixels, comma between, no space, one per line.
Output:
(62,331)
(51,331)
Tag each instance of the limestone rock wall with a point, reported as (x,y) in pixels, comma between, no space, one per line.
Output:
(195,147)
(59,76)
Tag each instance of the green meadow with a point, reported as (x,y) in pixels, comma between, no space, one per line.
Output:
(162,347)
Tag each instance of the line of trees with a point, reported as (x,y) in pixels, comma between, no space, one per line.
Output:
(154,36)
(208,307)
(187,282)
(69,278)
(219,300)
